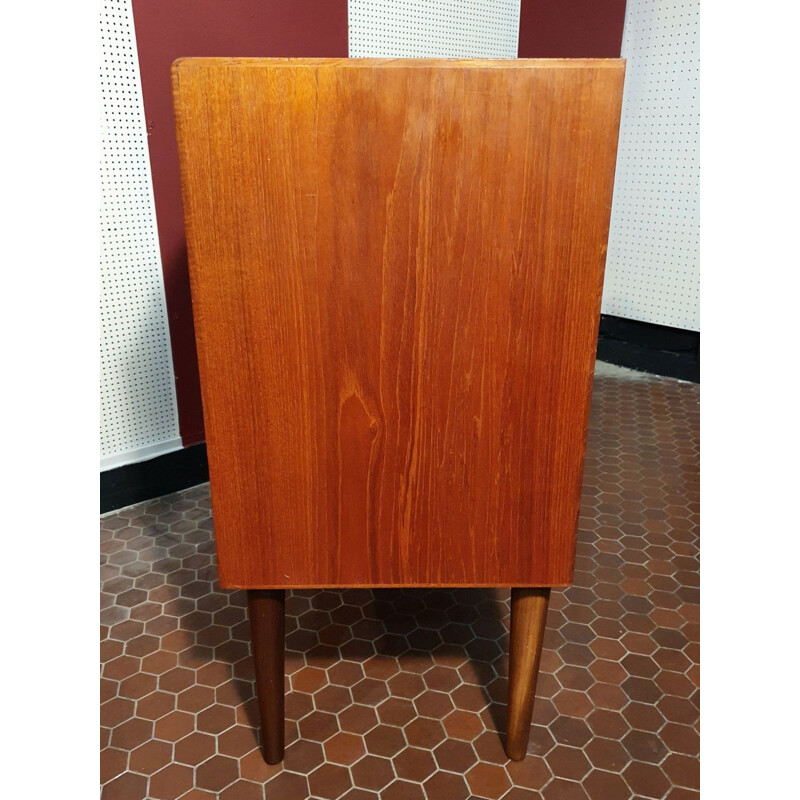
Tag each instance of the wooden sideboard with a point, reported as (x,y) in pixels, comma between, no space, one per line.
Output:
(396,271)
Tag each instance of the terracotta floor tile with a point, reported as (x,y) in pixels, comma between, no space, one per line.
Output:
(309,679)
(333,698)
(646,780)
(217,773)
(132,733)
(303,756)
(356,718)
(572,703)
(125,787)
(385,741)
(644,746)
(405,690)
(121,667)
(174,726)
(196,698)
(380,667)
(237,741)
(541,741)
(372,772)
(561,789)
(601,785)
(344,748)
(150,757)
(518,793)
(414,764)
(159,663)
(489,748)
(359,794)
(466,725)
(370,692)
(112,763)
(570,731)
(607,754)
(252,767)
(575,678)
(677,793)
(402,790)
(171,782)
(611,672)
(533,772)
(194,748)
(682,770)
(423,732)
(216,719)
(155,705)
(455,756)
(346,673)
(568,762)
(488,780)
(137,685)
(433,704)
(441,678)
(406,685)
(681,739)
(115,711)
(446,786)
(242,790)
(287,786)
(469,698)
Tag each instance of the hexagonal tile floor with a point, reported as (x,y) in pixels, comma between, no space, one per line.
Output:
(399,694)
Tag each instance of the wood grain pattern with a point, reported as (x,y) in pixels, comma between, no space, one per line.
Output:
(528,618)
(396,275)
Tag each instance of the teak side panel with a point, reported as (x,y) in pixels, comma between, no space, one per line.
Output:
(396,274)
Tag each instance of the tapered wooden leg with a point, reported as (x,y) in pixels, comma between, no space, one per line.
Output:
(267,626)
(528,614)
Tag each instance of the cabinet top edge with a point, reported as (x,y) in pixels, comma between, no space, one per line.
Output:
(402,63)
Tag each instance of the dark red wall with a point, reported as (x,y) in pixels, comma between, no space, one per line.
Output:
(169,29)
(571,28)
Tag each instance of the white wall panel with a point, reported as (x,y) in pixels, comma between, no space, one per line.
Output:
(139,416)
(653,271)
(433,28)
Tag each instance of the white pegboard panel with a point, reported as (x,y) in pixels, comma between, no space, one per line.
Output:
(433,28)
(139,416)
(652,271)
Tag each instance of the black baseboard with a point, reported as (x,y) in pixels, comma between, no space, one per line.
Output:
(658,349)
(165,474)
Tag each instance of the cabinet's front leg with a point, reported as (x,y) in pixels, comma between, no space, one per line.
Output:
(528,615)
(267,607)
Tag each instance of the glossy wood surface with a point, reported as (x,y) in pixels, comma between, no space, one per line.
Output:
(267,613)
(528,617)
(396,275)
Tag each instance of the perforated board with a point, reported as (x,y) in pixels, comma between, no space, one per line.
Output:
(139,417)
(433,28)
(653,271)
